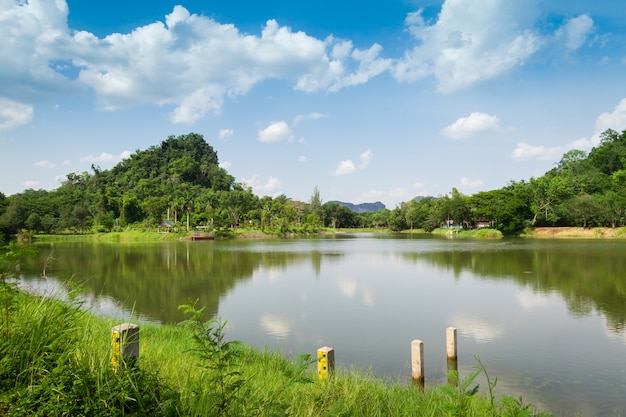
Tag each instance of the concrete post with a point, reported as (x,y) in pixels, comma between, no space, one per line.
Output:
(417,362)
(451,351)
(325,362)
(124,344)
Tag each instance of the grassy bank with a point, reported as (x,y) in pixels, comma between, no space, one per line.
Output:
(56,362)
(469,233)
(143,236)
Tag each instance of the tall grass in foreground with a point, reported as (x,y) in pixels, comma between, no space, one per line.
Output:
(55,361)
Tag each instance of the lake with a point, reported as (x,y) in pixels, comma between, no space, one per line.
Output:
(546,317)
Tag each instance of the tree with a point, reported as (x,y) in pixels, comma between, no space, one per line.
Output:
(612,207)
(397,220)
(337,216)
(581,209)
(315,203)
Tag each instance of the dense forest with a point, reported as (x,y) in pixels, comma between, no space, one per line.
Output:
(181,181)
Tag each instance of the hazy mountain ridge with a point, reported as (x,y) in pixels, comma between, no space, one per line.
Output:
(363,207)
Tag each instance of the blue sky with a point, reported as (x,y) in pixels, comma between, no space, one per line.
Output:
(367,100)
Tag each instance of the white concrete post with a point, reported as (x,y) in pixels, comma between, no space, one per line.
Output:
(417,361)
(451,351)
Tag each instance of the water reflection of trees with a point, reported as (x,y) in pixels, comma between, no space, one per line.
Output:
(153,279)
(586,277)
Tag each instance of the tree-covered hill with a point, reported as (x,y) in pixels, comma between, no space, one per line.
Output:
(581,190)
(181,180)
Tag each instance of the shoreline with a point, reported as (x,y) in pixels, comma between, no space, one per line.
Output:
(133,236)
(576,233)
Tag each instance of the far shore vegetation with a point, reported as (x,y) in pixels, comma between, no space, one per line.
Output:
(178,186)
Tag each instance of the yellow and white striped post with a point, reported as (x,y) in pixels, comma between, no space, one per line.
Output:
(124,344)
(325,362)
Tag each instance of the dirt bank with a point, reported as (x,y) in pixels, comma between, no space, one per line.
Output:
(579,232)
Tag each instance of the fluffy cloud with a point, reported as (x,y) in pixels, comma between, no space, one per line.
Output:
(225,133)
(525,151)
(14,114)
(615,120)
(272,185)
(105,157)
(475,40)
(190,62)
(345,167)
(472,40)
(348,167)
(466,182)
(475,124)
(276,132)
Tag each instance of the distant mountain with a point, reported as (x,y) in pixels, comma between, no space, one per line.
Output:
(421,197)
(363,207)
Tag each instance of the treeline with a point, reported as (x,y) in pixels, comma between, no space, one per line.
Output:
(181,180)
(584,190)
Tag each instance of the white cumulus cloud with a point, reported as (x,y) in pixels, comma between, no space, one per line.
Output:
(348,167)
(467,182)
(345,167)
(272,185)
(275,132)
(105,157)
(526,151)
(615,120)
(14,113)
(225,133)
(475,124)
(471,41)
(185,61)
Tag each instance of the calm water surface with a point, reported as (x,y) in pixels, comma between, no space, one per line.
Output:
(547,317)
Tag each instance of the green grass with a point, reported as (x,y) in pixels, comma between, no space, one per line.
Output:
(469,233)
(56,361)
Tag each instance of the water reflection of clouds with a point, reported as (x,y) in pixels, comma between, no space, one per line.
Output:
(276,325)
(348,287)
(530,300)
(480,329)
(100,305)
(613,333)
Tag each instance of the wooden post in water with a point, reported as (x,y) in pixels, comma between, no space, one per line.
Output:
(124,344)
(451,351)
(325,362)
(417,362)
